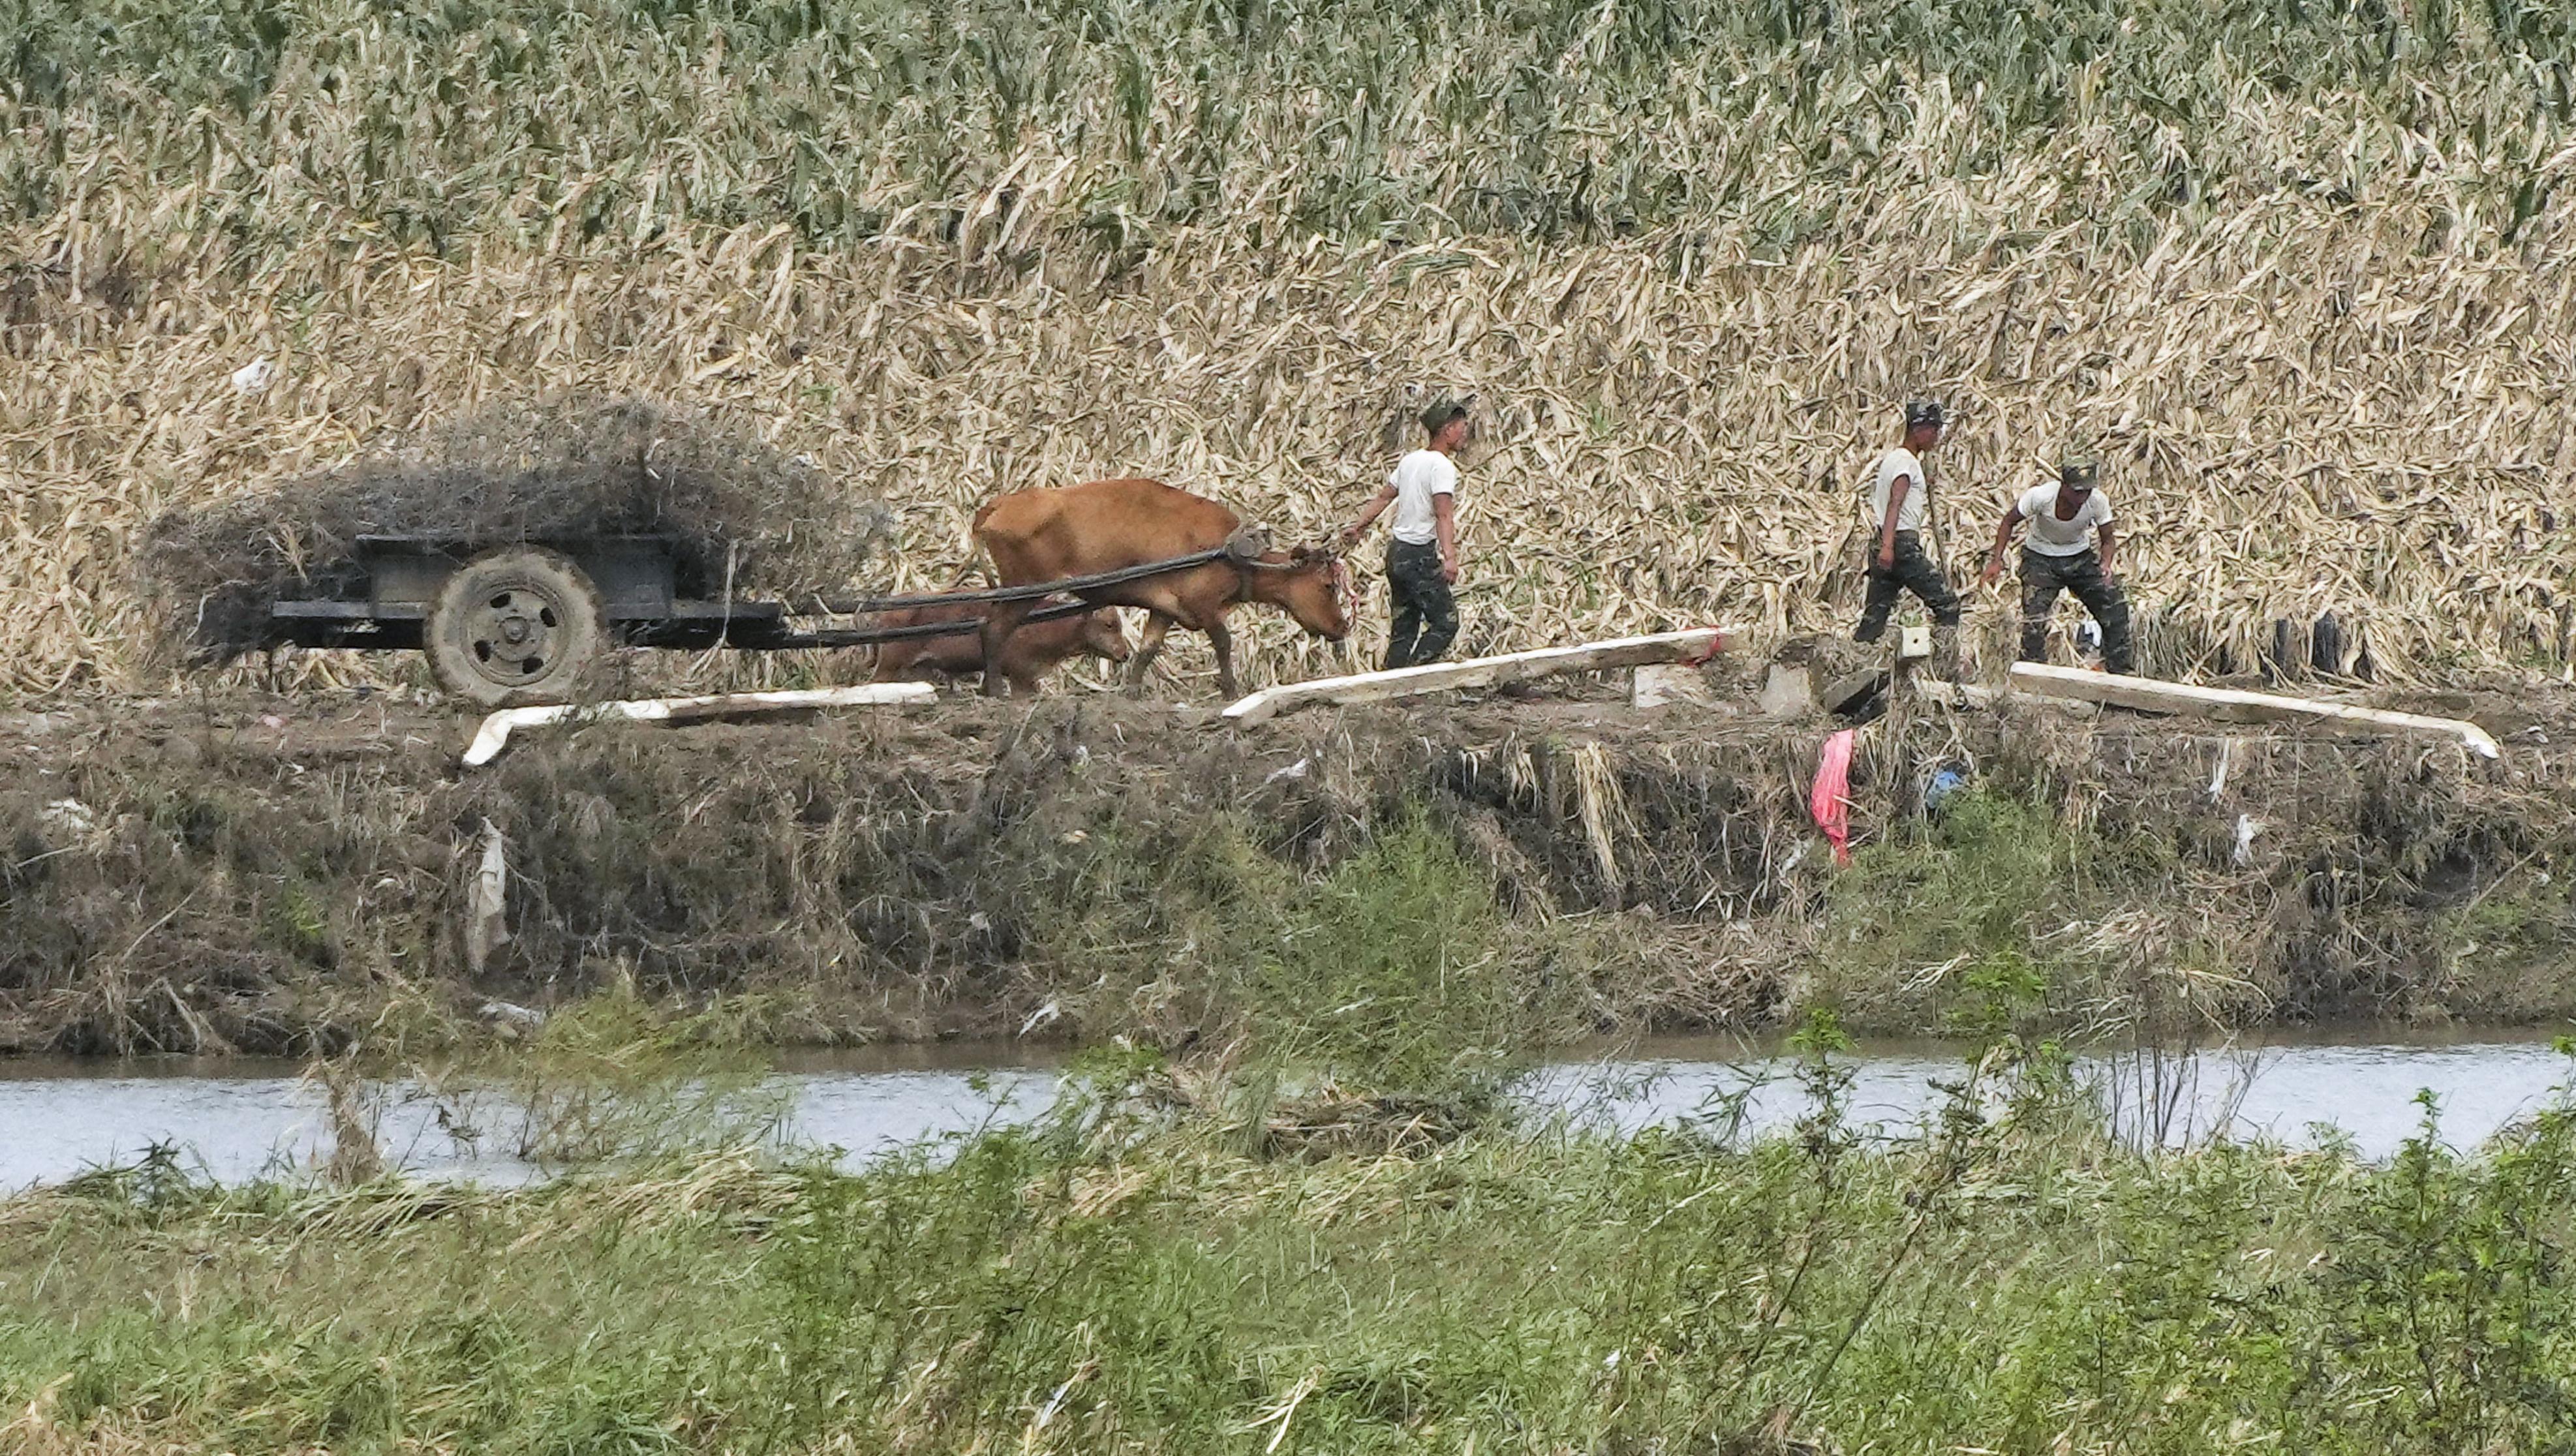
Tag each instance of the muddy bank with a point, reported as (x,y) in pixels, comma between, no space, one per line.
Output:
(276,875)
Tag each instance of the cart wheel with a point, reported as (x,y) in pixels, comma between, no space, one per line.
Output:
(513,627)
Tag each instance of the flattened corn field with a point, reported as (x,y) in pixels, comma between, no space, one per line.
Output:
(2298,271)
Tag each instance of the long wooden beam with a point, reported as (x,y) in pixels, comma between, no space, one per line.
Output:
(2230,706)
(494,735)
(1480,672)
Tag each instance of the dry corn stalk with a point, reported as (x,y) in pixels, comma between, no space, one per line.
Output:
(2319,333)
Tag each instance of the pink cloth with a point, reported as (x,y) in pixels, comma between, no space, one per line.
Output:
(1831,800)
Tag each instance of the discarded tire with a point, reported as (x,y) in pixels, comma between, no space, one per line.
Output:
(515,627)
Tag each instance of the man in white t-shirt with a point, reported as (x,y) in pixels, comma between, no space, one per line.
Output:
(1899,504)
(2070,547)
(1422,560)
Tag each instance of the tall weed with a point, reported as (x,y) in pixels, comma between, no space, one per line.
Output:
(1106,1282)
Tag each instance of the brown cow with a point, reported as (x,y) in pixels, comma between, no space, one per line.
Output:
(1106,525)
(1035,650)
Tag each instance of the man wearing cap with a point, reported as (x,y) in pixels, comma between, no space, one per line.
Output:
(2070,547)
(1897,561)
(1422,560)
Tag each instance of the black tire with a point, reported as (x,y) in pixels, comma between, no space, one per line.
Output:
(513,627)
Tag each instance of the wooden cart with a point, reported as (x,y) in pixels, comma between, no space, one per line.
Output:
(520,624)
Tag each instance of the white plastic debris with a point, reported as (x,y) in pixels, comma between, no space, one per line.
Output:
(2247,826)
(70,815)
(254,376)
(487,926)
(1295,770)
(1044,1016)
(511,1013)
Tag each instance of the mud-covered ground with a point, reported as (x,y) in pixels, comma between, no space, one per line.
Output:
(249,873)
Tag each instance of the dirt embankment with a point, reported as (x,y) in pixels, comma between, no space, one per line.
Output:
(284,875)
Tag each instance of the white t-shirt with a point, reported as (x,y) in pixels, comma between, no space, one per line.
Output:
(1897,464)
(1417,478)
(2050,536)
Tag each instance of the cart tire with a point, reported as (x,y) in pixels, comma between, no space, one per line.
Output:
(514,627)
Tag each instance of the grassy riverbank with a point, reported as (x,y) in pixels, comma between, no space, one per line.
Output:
(1171,1268)
(197,879)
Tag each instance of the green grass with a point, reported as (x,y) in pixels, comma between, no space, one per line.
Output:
(1972,922)
(1107,1284)
(1395,968)
(2510,942)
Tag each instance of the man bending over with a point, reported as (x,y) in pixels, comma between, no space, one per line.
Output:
(2070,548)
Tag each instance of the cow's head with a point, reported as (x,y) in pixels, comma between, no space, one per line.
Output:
(1313,586)
(1103,635)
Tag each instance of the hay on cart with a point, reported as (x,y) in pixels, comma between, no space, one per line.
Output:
(742,514)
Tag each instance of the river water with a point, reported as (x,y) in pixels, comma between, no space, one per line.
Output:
(235,1121)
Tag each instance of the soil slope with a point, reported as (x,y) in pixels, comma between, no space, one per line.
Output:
(277,875)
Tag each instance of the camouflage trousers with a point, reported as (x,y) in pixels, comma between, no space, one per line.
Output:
(1426,613)
(2044,576)
(1914,571)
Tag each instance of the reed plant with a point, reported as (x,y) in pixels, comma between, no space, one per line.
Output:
(2294,269)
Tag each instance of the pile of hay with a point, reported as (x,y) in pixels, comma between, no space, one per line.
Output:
(739,511)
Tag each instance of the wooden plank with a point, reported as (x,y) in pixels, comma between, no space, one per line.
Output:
(2227,705)
(1479,672)
(494,735)
(322,609)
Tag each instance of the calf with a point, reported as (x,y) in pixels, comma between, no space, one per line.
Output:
(1033,651)
(1107,525)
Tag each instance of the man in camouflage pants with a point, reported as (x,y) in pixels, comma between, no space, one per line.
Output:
(1899,506)
(2070,548)
(1422,560)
